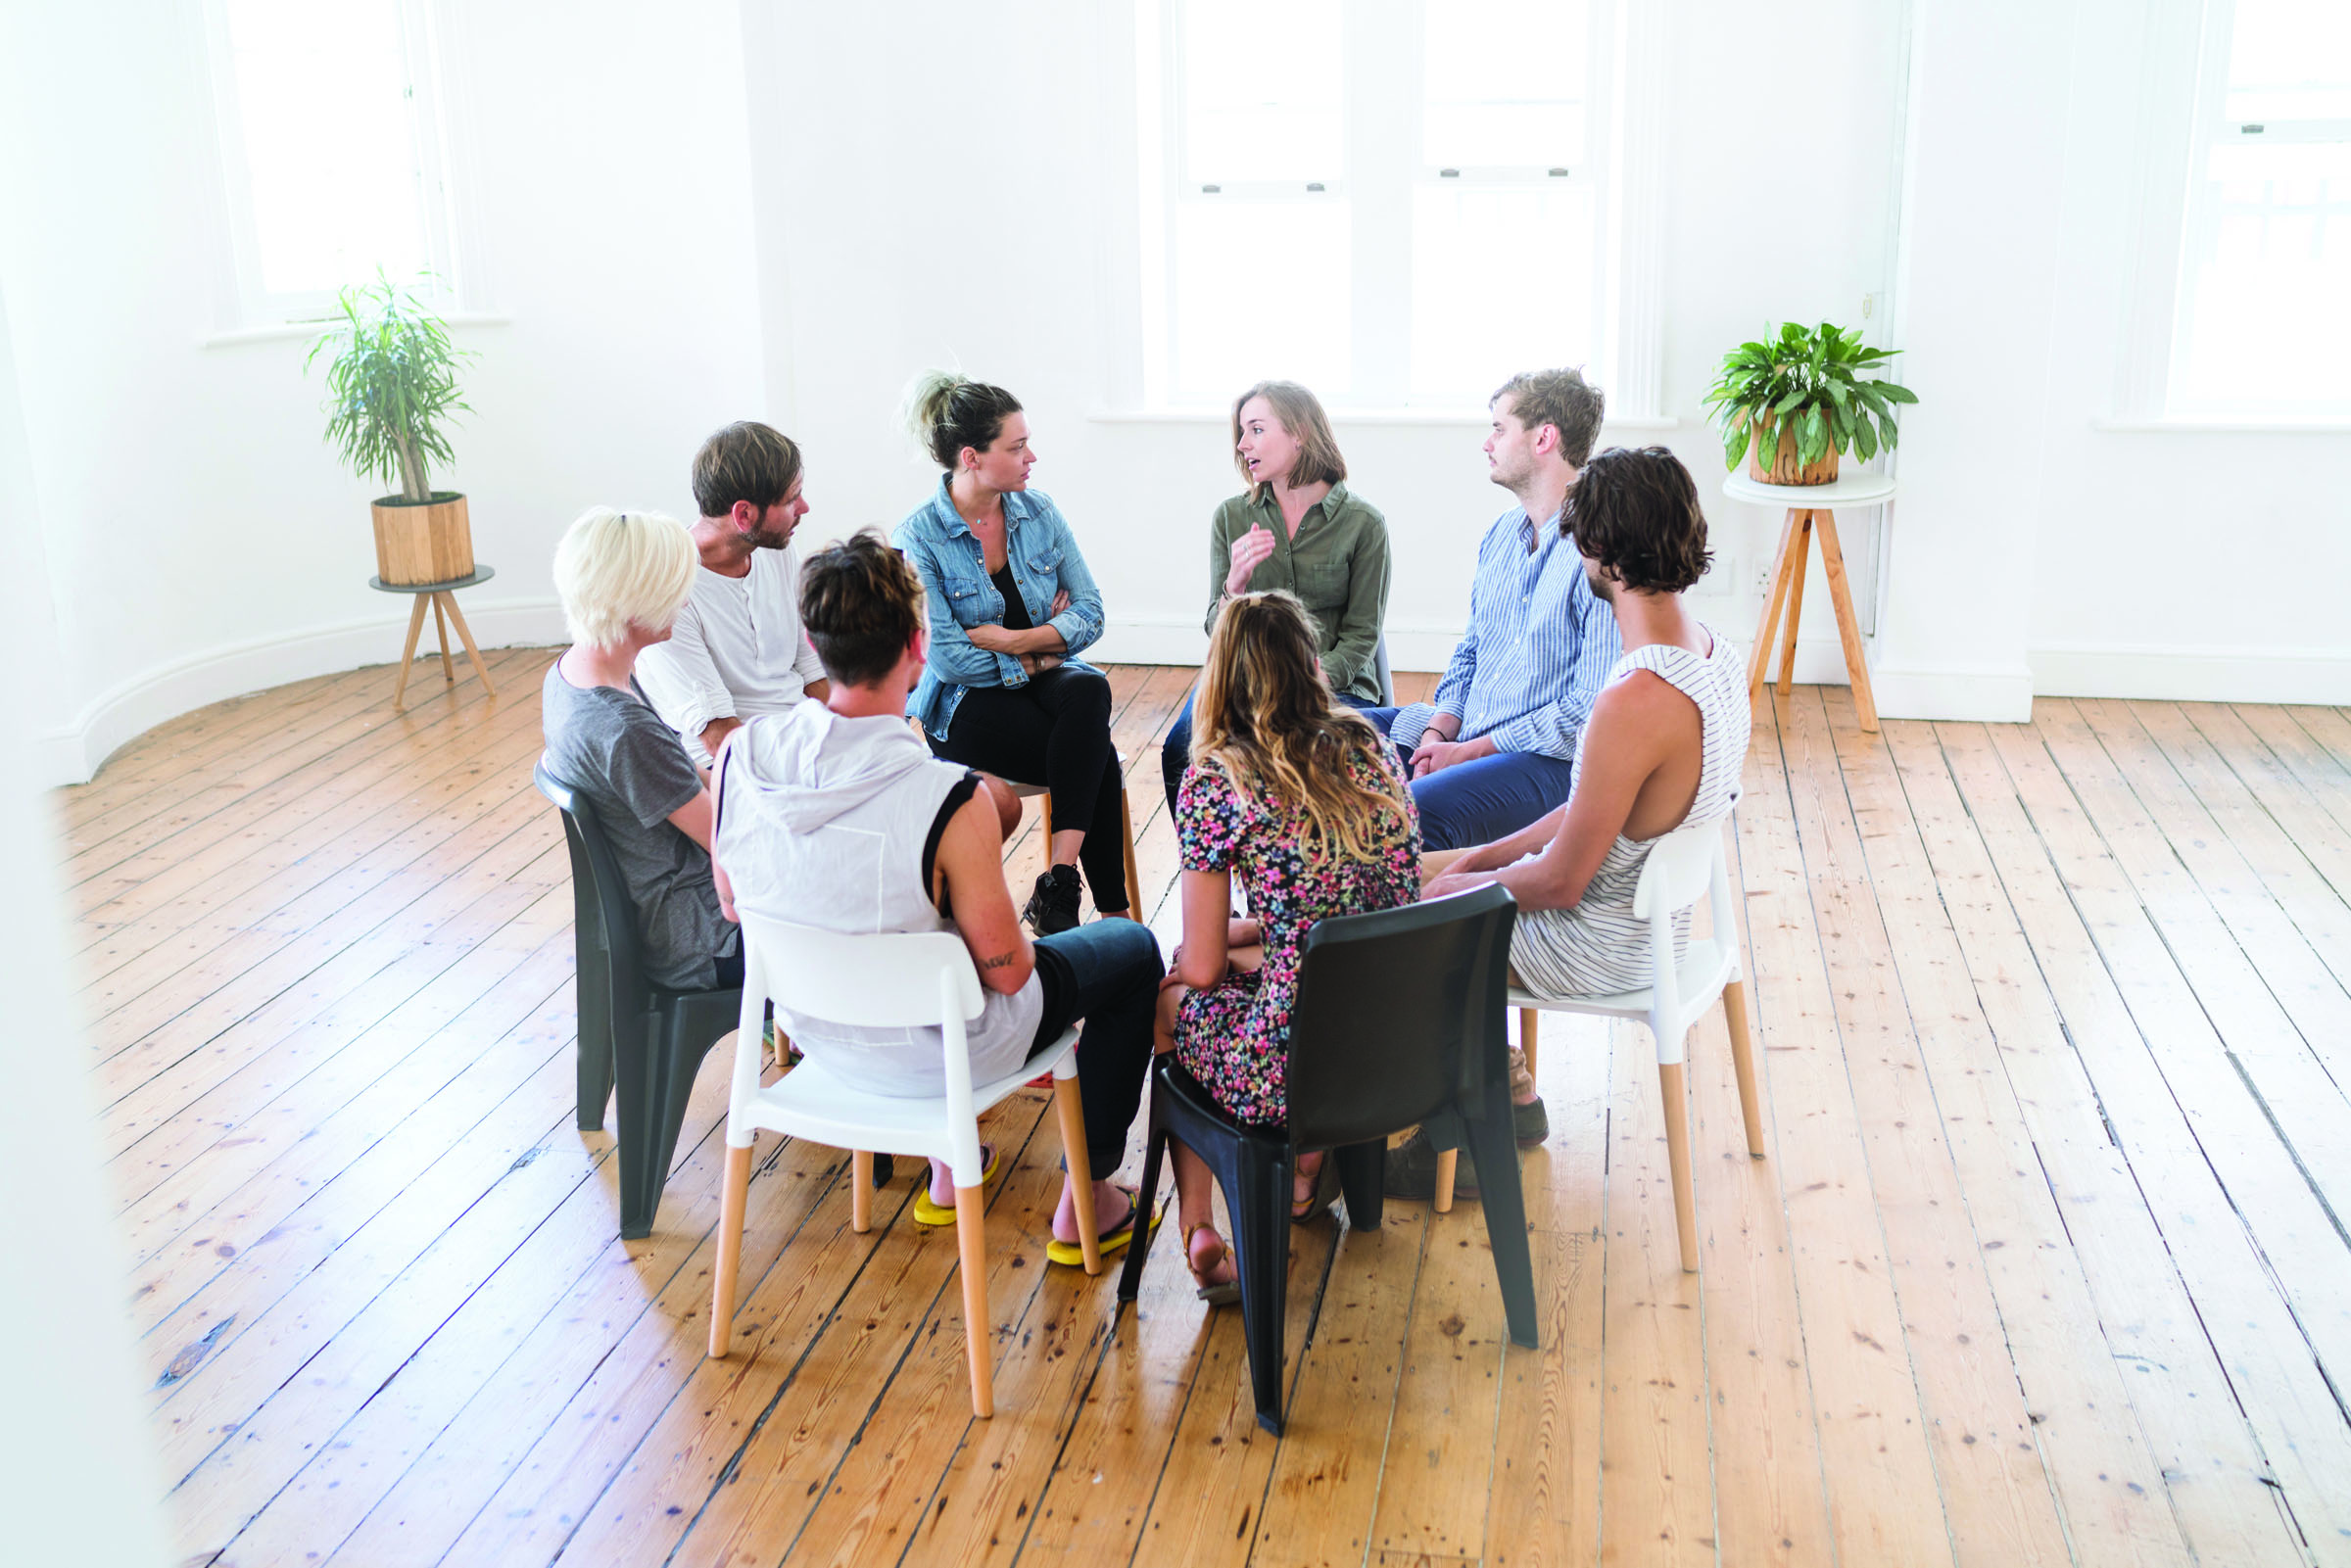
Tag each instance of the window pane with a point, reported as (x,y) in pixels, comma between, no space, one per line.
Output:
(323,97)
(1260,290)
(1502,83)
(1261,88)
(2268,321)
(1501,282)
(2289,59)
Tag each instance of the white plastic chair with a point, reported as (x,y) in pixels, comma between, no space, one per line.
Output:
(1684,865)
(890,981)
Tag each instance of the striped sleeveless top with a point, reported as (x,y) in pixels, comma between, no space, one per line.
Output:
(1598,947)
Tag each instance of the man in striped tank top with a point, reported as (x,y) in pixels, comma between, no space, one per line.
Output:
(1663,749)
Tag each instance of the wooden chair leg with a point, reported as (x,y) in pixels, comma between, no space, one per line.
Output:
(1743,1063)
(1760,654)
(1135,882)
(1795,602)
(971,1237)
(1671,1081)
(1072,1110)
(1529,1021)
(449,671)
(861,1190)
(1849,625)
(733,1190)
(465,635)
(399,687)
(1446,1159)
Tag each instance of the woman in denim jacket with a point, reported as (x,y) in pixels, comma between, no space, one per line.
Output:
(1010,604)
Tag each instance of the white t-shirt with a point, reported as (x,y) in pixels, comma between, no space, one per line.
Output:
(737,652)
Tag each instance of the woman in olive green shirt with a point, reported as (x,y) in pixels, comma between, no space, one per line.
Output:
(1297,527)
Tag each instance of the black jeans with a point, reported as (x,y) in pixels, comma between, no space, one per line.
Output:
(1107,974)
(1055,731)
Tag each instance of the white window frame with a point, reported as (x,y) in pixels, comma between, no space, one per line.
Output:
(2184,117)
(1382,168)
(438,135)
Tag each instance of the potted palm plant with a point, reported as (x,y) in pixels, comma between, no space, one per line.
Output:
(1790,402)
(391,387)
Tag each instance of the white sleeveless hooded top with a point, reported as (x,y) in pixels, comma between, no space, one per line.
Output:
(822,821)
(1598,947)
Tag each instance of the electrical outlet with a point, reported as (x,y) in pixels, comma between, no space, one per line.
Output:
(1762,580)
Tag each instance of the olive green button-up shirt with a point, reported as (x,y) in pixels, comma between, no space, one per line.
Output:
(1337,565)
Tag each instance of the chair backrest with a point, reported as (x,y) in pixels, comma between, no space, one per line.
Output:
(610,955)
(888,979)
(1683,866)
(1385,675)
(1399,1014)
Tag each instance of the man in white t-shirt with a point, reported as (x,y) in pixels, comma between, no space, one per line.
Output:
(737,649)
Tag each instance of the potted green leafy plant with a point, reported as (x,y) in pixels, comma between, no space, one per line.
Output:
(1790,404)
(391,387)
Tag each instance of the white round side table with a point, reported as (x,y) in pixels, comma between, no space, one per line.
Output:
(1810,507)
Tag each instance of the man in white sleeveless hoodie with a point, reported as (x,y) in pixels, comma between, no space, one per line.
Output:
(1663,749)
(834,814)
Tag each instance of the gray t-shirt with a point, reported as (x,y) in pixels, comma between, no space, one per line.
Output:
(613,747)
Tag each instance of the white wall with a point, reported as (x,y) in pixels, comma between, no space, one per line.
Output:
(971,212)
(781,208)
(199,538)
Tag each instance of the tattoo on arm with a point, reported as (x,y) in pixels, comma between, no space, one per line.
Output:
(1000,960)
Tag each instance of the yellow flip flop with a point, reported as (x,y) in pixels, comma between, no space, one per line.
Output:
(927,1212)
(1113,1240)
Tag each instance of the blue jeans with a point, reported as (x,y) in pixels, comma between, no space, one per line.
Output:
(1175,753)
(1478,802)
(1106,973)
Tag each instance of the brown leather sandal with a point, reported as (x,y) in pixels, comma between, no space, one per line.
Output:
(1216,1293)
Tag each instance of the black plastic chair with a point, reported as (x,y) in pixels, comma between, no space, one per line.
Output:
(1399,1015)
(635,1036)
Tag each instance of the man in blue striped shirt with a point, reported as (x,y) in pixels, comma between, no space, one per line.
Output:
(1497,749)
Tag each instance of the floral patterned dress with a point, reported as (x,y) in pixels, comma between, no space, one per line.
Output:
(1235,1036)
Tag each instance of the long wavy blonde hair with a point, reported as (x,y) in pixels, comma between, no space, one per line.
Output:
(1266,719)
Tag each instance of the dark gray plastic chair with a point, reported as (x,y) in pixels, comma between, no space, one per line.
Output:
(635,1037)
(1399,1015)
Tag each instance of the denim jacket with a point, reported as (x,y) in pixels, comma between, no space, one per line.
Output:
(1044,560)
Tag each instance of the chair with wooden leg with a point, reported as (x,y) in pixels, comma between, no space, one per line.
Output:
(894,981)
(1134,883)
(1685,865)
(1812,512)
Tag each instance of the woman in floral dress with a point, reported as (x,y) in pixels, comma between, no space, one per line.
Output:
(1300,799)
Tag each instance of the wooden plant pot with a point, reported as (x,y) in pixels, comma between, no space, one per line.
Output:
(1784,470)
(422,541)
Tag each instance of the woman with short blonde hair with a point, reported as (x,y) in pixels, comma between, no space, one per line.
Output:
(1300,800)
(622,577)
(1297,528)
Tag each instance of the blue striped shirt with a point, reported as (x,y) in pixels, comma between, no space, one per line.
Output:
(1540,642)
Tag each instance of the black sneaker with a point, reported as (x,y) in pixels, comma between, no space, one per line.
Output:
(1530,1123)
(1412,1171)
(1053,907)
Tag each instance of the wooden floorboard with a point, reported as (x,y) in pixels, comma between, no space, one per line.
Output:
(2046,1260)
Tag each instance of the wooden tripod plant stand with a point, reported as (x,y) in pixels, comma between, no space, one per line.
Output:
(1810,508)
(444,597)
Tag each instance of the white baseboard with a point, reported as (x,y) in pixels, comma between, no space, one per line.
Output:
(75,752)
(1979,694)
(2170,673)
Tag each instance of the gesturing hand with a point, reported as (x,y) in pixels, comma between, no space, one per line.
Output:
(1249,552)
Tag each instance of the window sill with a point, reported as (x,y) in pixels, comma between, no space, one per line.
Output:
(1440,418)
(2257,424)
(310,329)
